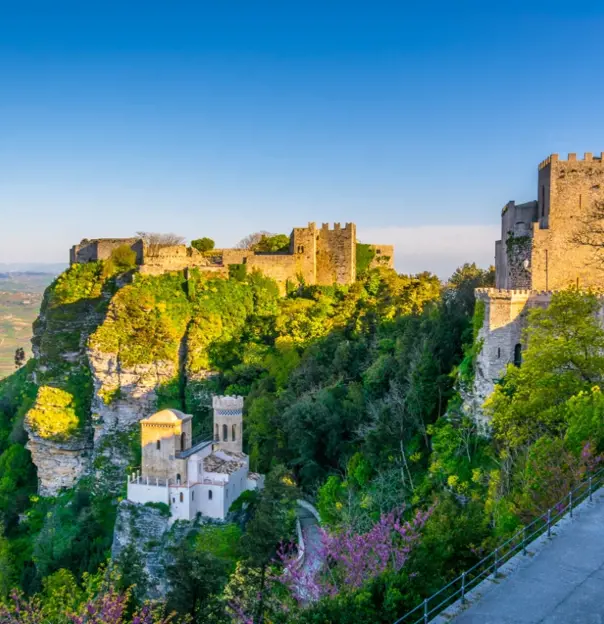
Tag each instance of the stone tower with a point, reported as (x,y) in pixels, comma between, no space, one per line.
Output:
(228,422)
(163,437)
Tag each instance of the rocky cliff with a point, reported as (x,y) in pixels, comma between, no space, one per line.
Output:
(113,348)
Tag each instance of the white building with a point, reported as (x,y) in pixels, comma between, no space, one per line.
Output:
(205,477)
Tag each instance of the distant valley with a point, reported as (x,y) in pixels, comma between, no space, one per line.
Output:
(20,298)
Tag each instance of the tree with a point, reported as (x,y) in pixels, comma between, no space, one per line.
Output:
(250,240)
(589,232)
(272,243)
(202,244)
(565,356)
(123,258)
(19,357)
(196,579)
(154,241)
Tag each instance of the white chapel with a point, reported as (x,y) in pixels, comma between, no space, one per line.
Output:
(205,477)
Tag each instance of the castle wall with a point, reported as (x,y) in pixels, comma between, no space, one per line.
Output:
(101,249)
(384,256)
(567,190)
(161,463)
(505,318)
(514,248)
(336,254)
(316,256)
(303,245)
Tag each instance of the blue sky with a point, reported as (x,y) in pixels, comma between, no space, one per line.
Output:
(418,121)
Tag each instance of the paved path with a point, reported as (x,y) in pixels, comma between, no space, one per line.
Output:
(312,541)
(562,583)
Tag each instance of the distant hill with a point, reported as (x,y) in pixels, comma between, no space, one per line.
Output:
(20,298)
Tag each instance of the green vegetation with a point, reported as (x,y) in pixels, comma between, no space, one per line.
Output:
(203,244)
(271,243)
(353,399)
(365,256)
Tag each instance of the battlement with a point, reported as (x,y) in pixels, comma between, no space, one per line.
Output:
(322,256)
(572,157)
(227,402)
(337,227)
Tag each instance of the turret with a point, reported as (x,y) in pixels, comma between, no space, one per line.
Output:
(228,422)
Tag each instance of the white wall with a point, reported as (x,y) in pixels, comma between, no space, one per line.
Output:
(213,508)
(180,510)
(142,493)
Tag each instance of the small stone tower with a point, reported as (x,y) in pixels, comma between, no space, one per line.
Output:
(163,437)
(228,422)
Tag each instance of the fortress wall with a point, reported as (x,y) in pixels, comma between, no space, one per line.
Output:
(505,318)
(384,256)
(101,249)
(336,254)
(303,245)
(234,256)
(568,190)
(176,258)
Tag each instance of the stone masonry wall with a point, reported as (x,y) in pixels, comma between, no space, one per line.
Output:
(324,256)
(567,192)
(336,254)
(384,256)
(505,318)
(101,249)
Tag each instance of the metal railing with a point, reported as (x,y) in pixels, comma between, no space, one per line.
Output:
(458,588)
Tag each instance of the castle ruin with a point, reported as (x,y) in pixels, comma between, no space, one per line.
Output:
(321,256)
(539,253)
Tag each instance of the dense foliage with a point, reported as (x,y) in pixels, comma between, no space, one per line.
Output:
(353,400)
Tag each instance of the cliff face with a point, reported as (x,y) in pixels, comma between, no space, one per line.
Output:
(111,349)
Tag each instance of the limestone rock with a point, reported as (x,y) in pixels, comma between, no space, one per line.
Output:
(124,395)
(59,464)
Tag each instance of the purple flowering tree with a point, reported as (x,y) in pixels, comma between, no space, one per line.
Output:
(108,607)
(347,560)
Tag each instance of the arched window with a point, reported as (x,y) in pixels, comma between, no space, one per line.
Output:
(216,436)
(225,433)
(498,352)
(158,445)
(181,497)
(518,355)
(210,494)
(234,436)
(178,478)
(192,494)
(183,441)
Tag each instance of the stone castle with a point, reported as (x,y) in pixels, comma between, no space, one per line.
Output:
(315,256)
(204,477)
(540,251)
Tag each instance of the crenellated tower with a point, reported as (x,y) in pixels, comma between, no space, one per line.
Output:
(228,422)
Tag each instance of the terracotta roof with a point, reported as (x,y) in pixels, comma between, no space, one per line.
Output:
(215,463)
(167,416)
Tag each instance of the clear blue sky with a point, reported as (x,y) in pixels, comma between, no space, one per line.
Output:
(224,117)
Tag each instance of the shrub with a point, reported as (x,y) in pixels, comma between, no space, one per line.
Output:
(123,258)
(53,415)
(203,244)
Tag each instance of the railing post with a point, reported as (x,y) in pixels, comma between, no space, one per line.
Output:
(524,541)
(496,564)
(425,611)
(549,522)
(590,490)
(463,588)
(570,502)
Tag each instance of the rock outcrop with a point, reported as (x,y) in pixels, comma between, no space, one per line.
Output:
(59,464)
